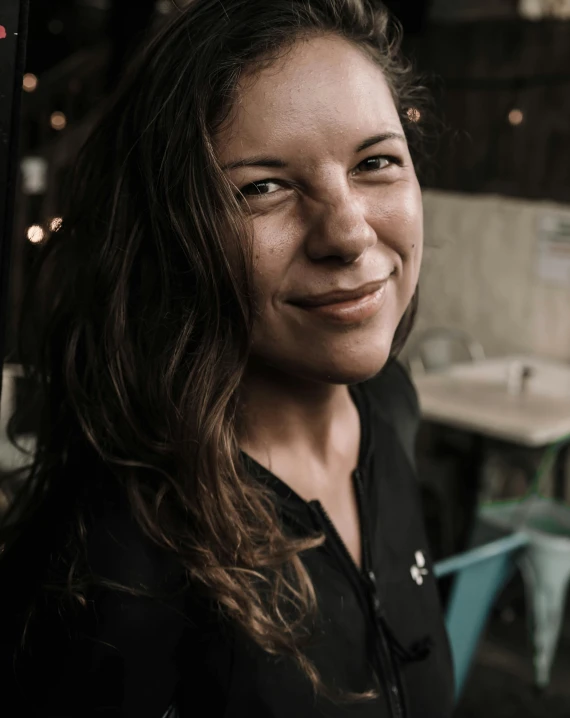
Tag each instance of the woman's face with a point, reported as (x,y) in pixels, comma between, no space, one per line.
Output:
(317,151)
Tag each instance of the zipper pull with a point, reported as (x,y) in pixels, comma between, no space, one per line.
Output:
(375,599)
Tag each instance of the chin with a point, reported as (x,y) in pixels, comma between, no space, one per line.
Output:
(355,372)
(339,365)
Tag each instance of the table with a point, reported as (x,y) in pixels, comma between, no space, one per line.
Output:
(474,397)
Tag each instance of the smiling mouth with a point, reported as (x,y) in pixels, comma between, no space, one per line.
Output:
(339,296)
(354,310)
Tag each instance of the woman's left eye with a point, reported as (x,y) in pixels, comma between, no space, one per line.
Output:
(257,189)
(372,164)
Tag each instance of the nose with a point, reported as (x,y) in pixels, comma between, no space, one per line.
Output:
(339,229)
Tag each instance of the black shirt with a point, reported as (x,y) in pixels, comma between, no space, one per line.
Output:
(125,656)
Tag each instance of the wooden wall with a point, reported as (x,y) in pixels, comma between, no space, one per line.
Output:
(479,72)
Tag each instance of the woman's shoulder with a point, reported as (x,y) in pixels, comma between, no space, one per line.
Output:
(118,549)
(119,641)
(94,542)
(94,527)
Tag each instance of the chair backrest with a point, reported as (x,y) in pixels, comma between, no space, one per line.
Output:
(437,348)
(545,567)
(480,575)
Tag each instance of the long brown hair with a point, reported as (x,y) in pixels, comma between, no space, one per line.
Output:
(137,323)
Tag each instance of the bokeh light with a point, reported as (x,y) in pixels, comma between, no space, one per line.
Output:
(29,82)
(35,233)
(58,120)
(55,223)
(414,115)
(516,117)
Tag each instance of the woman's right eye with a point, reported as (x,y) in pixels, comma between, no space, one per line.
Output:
(257,189)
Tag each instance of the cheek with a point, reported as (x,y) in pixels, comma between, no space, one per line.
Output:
(398,221)
(274,243)
(269,247)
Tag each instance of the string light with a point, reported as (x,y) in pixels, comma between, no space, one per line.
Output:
(516,117)
(35,233)
(414,115)
(55,224)
(29,82)
(58,120)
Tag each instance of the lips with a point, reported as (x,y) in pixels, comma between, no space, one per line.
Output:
(352,312)
(338,296)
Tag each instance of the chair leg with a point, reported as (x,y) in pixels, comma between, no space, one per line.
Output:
(474,592)
(546,574)
(560,468)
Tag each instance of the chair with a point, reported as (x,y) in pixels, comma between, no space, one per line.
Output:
(480,574)
(437,348)
(545,568)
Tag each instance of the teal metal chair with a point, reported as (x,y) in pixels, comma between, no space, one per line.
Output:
(480,574)
(545,568)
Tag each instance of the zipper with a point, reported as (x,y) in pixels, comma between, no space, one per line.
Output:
(365,578)
(385,656)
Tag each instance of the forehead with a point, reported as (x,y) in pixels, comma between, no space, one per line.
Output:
(323,89)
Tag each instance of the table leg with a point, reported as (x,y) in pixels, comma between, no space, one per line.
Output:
(471,479)
(560,472)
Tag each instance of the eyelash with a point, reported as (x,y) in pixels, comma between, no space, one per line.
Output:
(242,194)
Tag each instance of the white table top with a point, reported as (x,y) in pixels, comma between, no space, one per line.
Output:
(474,396)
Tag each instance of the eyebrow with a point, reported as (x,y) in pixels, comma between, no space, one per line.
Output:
(376,139)
(274,163)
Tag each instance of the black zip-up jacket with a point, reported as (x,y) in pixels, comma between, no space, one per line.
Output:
(131,657)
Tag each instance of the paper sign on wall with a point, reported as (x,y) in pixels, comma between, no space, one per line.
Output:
(554,248)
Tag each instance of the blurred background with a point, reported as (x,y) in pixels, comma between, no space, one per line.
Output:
(490,355)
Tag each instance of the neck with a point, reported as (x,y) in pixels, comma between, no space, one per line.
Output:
(310,420)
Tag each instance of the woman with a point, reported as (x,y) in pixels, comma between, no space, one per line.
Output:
(222,517)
